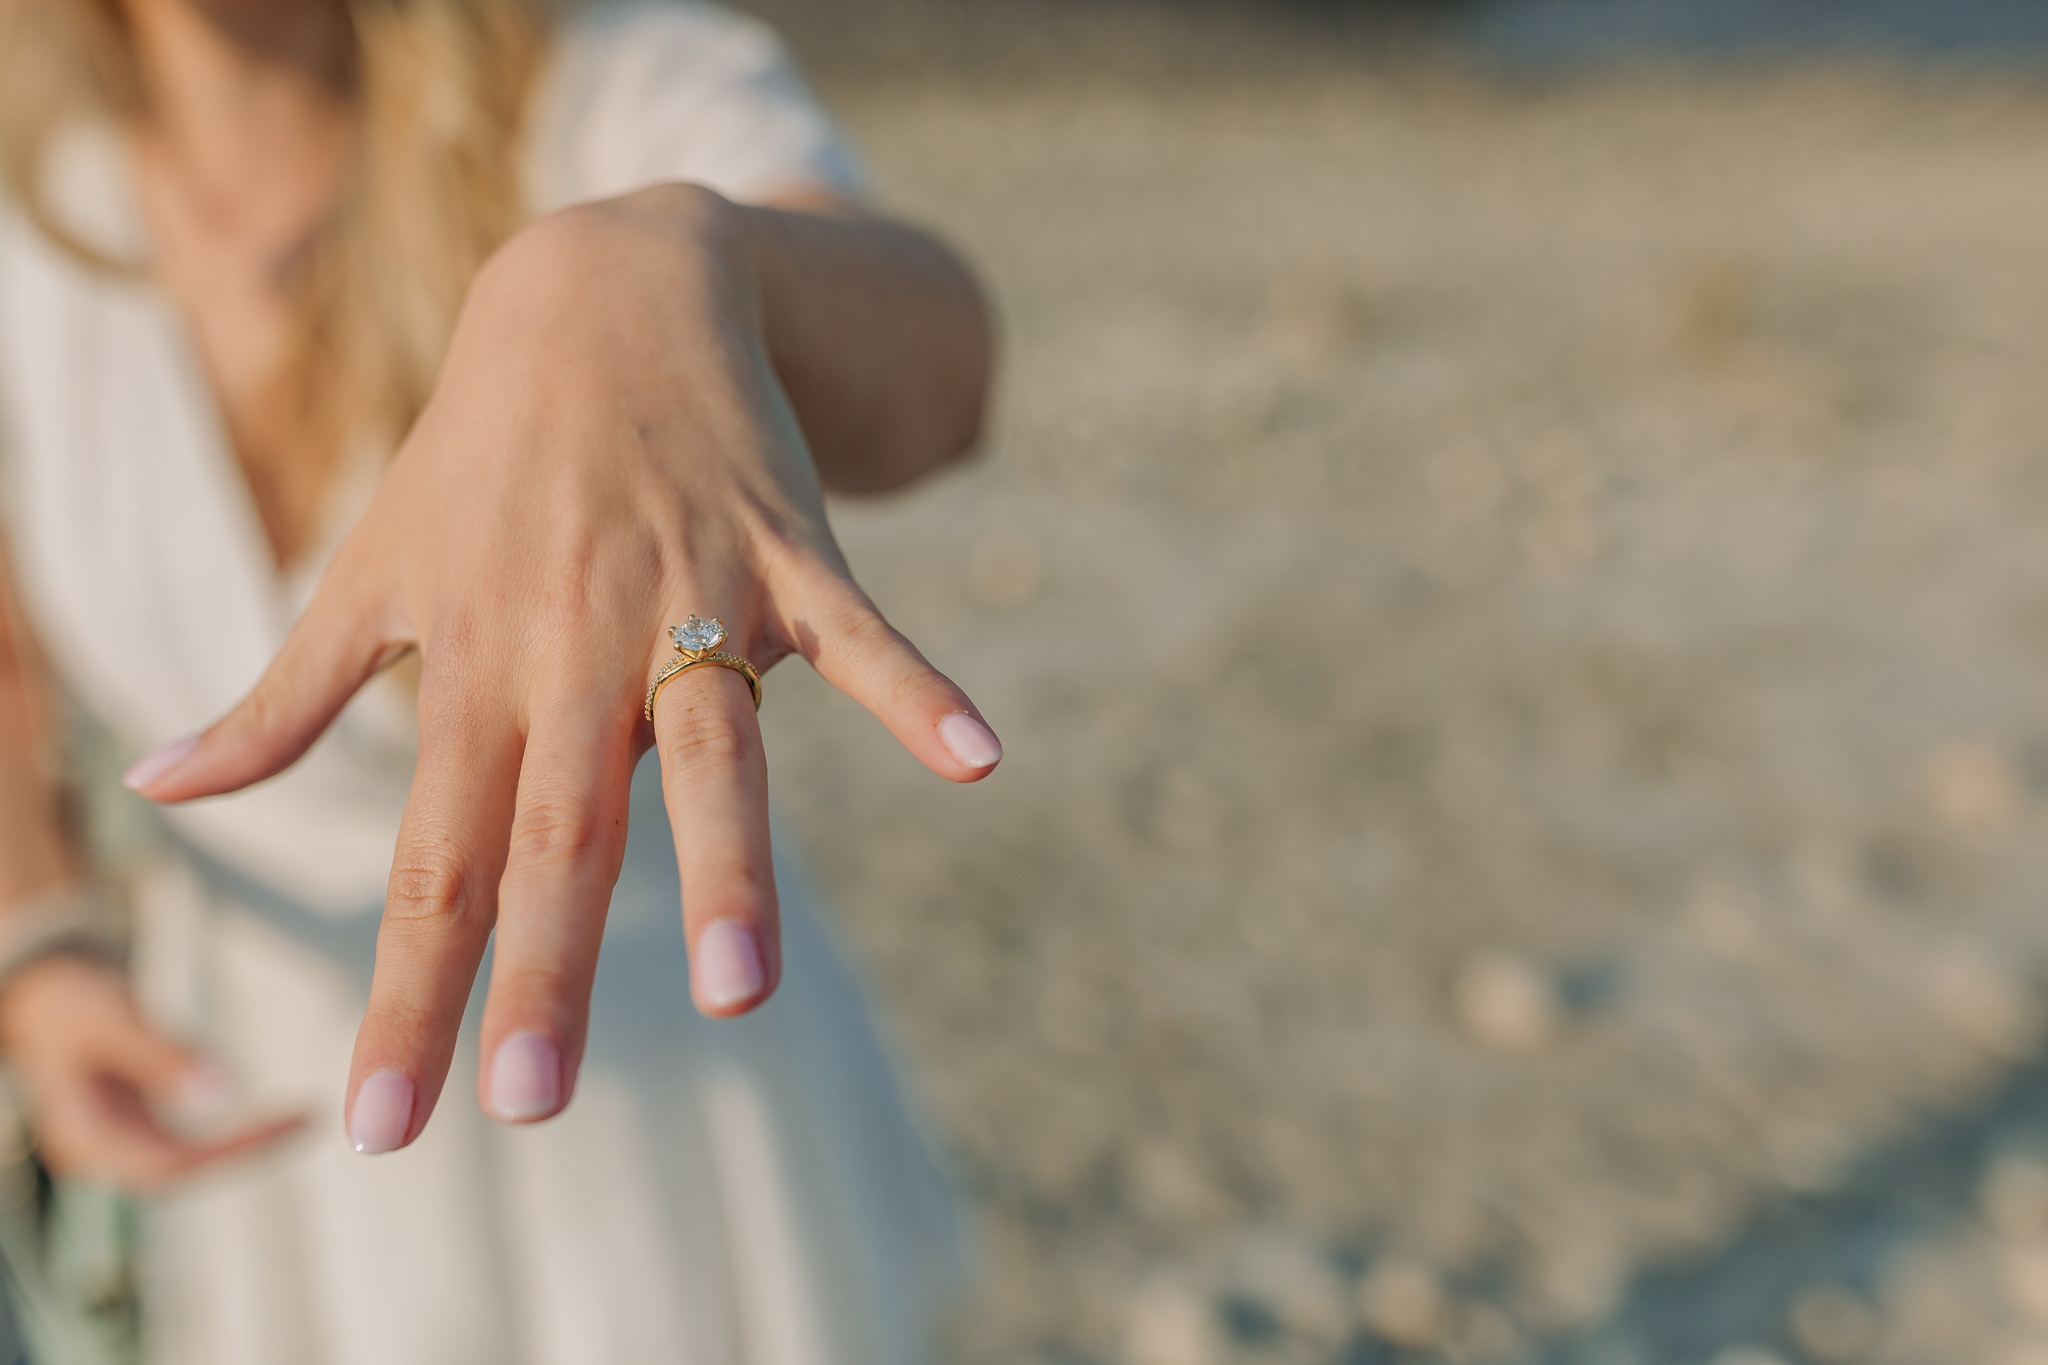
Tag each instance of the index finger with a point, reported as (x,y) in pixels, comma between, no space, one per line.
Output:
(438,915)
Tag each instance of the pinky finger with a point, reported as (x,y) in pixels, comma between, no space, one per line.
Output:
(854,649)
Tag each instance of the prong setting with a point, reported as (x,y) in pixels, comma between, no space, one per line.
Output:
(697,636)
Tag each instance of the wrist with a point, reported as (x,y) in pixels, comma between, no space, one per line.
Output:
(690,245)
(68,922)
(48,942)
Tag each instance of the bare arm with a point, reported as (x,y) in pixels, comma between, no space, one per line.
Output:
(880,335)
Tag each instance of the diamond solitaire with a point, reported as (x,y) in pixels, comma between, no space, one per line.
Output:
(696,635)
(697,641)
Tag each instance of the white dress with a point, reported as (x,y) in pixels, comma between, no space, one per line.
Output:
(731,1193)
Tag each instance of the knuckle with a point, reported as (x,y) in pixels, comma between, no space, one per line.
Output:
(559,828)
(850,615)
(454,650)
(560,237)
(429,884)
(262,712)
(863,641)
(863,630)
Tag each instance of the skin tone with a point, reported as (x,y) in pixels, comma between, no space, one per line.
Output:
(641,408)
(241,164)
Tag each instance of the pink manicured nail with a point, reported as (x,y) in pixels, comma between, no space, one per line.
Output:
(382,1112)
(526,1077)
(155,765)
(970,741)
(728,965)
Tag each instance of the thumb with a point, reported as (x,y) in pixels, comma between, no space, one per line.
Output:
(336,647)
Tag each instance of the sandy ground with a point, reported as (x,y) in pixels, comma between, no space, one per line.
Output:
(1518,610)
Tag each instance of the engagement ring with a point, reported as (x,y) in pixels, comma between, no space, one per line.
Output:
(697,644)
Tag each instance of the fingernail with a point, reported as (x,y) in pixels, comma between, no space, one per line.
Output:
(728,965)
(155,765)
(526,1077)
(970,741)
(382,1112)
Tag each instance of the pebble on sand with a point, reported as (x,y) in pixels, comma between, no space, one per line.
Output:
(1404,1302)
(1504,1003)
(1288,1272)
(1982,999)
(1171,1324)
(2023,1270)
(1972,787)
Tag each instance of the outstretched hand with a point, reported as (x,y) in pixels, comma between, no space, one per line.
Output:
(609,450)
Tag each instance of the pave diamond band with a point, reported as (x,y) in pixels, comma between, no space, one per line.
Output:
(697,642)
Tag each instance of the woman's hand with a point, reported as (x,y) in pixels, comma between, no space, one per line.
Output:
(608,451)
(97,1077)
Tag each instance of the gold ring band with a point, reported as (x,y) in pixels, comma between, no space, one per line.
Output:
(697,644)
(681,665)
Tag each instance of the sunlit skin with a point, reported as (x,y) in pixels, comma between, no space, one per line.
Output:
(641,407)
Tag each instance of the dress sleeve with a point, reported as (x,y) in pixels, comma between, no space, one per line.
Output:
(642,92)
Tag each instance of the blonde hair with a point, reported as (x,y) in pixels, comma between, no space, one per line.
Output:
(441,89)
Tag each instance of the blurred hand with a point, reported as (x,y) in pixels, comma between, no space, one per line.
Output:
(608,451)
(97,1077)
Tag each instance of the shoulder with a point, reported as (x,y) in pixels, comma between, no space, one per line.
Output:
(637,91)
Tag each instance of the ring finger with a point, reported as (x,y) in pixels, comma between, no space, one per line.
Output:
(714,778)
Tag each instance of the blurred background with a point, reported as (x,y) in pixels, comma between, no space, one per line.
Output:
(1511,571)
